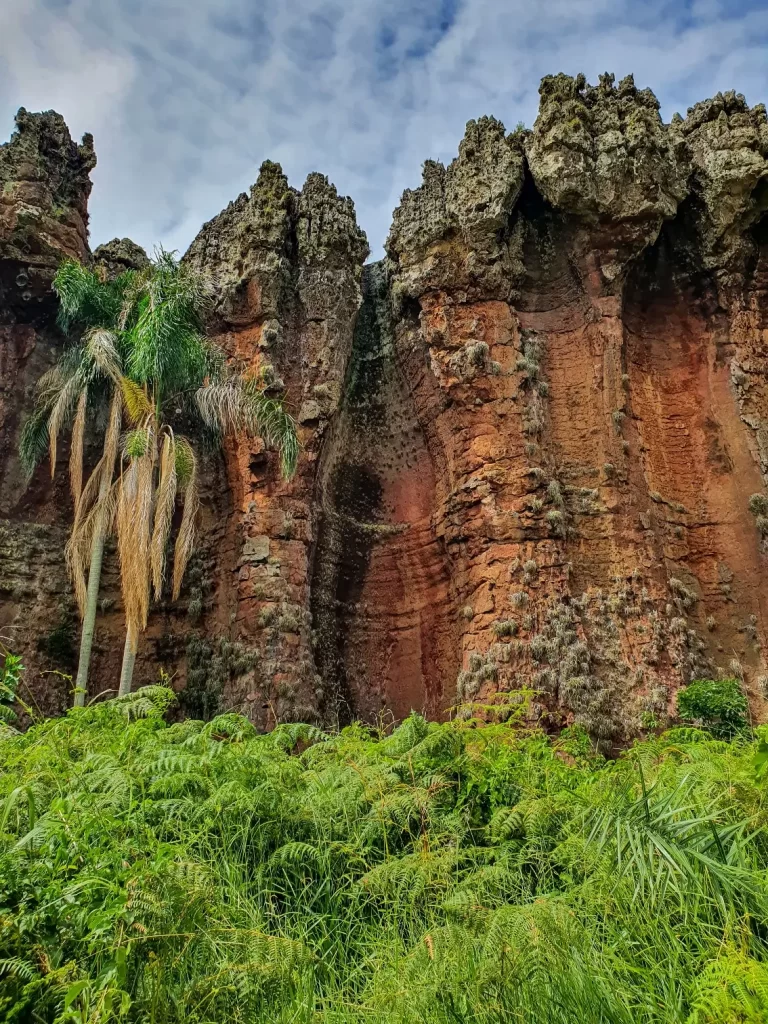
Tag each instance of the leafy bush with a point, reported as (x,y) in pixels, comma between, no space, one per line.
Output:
(444,874)
(718,704)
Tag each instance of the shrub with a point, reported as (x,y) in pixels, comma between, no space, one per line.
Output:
(719,704)
(505,627)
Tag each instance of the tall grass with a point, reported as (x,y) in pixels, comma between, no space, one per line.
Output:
(202,873)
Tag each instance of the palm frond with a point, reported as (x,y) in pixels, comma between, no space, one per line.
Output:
(136,443)
(60,413)
(137,405)
(185,541)
(164,331)
(84,298)
(50,385)
(134,517)
(97,491)
(269,418)
(239,403)
(112,436)
(164,505)
(220,404)
(101,346)
(33,443)
(76,447)
(35,435)
(96,510)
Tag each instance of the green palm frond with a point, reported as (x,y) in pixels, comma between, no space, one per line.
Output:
(33,443)
(84,298)
(239,403)
(136,443)
(164,327)
(269,418)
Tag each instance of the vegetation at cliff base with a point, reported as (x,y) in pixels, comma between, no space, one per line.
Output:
(199,872)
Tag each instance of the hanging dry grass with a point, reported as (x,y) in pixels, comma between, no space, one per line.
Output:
(94,505)
(166,500)
(185,542)
(60,413)
(134,521)
(76,448)
(101,346)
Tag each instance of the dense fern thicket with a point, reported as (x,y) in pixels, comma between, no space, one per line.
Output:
(200,873)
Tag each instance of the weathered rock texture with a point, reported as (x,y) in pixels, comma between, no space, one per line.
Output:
(44,189)
(285,268)
(535,437)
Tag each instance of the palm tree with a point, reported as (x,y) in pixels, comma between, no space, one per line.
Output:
(159,364)
(172,368)
(80,382)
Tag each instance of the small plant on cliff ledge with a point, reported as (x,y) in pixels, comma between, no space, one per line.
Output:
(143,346)
(758,506)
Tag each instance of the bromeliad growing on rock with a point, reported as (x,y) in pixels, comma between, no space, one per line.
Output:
(142,349)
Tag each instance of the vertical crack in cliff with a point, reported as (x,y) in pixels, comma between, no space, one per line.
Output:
(378,573)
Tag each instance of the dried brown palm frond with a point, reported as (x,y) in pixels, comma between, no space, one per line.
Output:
(49,386)
(188,482)
(60,413)
(220,404)
(134,519)
(101,346)
(76,448)
(97,489)
(99,516)
(112,436)
(164,505)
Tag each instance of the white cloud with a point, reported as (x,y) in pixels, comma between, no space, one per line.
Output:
(186,99)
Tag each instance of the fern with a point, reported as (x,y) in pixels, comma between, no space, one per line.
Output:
(196,872)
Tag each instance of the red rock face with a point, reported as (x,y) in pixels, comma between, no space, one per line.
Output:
(535,437)
(586,409)
(385,642)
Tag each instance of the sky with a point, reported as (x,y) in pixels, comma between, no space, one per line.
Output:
(185,99)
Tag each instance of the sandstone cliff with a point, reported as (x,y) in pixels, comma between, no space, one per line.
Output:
(535,436)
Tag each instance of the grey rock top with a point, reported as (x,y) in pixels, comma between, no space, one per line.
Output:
(43,164)
(602,157)
(273,229)
(119,255)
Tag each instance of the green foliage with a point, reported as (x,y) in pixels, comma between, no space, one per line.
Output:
(162,317)
(199,872)
(85,298)
(719,704)
(153,319)
(10,676)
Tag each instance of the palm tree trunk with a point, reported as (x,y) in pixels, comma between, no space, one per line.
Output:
(129,659)
(89,618)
